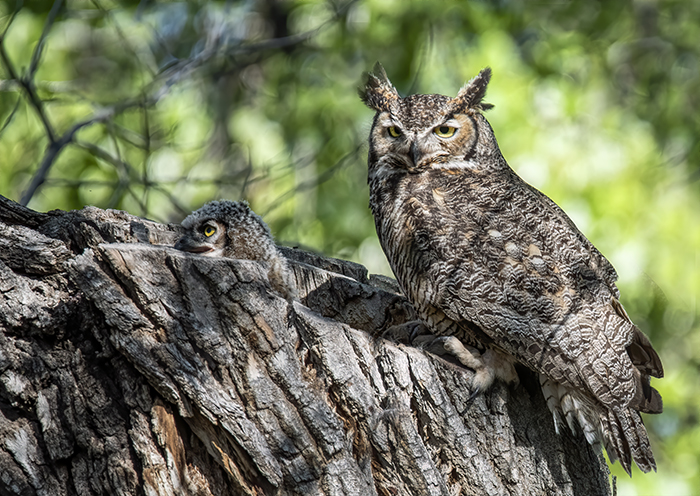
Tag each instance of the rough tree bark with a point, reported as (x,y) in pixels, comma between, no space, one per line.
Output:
(127,367)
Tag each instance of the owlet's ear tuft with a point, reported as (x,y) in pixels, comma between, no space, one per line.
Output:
(377,91)
(472,93)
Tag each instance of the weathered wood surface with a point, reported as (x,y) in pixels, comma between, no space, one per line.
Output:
(127,367)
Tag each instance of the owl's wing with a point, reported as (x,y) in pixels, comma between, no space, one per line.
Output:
(594,259)
(542,292)
(592,348)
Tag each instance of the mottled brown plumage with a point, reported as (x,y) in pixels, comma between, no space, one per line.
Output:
(489,260)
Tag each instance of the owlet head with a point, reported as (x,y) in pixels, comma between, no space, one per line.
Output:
(226,229)
(421,131)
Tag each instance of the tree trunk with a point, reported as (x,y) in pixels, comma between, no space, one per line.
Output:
(127,367)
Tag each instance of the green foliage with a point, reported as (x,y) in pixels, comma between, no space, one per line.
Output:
(596,105)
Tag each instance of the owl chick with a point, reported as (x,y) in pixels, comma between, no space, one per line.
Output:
(231,229)
(500,271)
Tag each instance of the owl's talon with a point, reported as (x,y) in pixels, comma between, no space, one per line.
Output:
(406,333)
(418,329)
(473,395)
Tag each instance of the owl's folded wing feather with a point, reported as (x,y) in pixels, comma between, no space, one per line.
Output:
(549,299)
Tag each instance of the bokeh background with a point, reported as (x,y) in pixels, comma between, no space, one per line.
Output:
(157,107)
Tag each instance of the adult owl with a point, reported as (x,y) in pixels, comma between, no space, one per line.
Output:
(231,229)
(496,265)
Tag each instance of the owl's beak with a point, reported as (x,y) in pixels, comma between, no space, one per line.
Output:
(191,246)
(415,153)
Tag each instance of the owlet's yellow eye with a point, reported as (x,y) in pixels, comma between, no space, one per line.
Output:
(209,231)
(445,131)
(394,132)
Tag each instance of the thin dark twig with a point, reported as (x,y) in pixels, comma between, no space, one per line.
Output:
(83,182)
(144,206)
(38,105)
(39,50)
(124,169)
(222,181)
(30,90)
(27,81)
(52,152)
(18,7)
(130,136)
(325,176)
(248,171)
(147,153)
(9,117)
(125,41)
(173,199)
(55,147)
(140,203)
(295,39)
(146,134)
(117,192)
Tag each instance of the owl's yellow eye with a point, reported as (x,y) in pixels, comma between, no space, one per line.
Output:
(394,132)
(445,131)
(209,231)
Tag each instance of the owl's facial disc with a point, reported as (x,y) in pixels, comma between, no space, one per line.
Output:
(206,239)
(432,144)
(419,139)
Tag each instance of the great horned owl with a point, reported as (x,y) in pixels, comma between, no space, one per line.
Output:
(490,261)
(231,229)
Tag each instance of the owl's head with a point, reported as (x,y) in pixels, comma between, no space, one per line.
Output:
(226,229)
(419,132)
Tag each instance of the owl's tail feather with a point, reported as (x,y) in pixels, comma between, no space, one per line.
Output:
(621,430)
(626,439)
(646,398)
(571,406)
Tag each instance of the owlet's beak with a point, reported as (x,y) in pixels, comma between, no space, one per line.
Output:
(187,244)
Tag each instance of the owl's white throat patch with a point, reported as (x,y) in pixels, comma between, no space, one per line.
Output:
(456,165)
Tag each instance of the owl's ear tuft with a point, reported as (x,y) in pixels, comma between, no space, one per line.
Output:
(472,93)
(377,91)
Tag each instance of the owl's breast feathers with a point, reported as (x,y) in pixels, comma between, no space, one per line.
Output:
(490,251)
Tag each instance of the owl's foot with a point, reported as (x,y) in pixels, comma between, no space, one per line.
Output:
(414,332)
(487,366)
